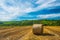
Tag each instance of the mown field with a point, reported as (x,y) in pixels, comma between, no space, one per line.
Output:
(25,33)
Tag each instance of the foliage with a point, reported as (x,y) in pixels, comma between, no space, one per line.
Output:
(30,22)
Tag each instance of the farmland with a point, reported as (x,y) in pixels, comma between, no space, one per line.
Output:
(25,33)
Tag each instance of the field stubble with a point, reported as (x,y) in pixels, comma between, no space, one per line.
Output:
(25,33)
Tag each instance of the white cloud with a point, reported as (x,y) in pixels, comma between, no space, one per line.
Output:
(48,16)
(12,9)
(44,4)
(11,12)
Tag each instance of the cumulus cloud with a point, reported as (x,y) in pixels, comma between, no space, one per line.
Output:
(11,9)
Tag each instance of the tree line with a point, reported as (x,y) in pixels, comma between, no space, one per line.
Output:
(30,22)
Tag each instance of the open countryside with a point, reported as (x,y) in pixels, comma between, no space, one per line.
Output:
(29,19)
(25,33)
(23,30)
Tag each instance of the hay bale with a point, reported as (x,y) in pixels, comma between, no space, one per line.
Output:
(38,29)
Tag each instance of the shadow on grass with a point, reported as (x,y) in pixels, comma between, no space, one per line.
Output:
(45,34)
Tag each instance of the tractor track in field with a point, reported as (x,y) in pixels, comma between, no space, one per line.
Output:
(48,35)
(25,33)
(56,32)
(18,33)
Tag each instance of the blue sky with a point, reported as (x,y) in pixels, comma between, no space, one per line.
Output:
(29,9)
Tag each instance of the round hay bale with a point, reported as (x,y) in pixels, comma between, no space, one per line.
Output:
(38,29)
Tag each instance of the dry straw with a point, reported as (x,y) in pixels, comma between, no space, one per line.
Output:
(38,29)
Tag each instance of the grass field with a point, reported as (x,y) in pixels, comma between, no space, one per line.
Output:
(25,33)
